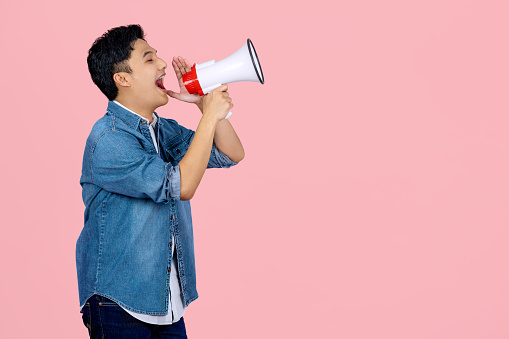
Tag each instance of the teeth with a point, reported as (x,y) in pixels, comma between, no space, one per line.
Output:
(159,82)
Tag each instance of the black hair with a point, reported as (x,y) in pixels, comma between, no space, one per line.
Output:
(109,54)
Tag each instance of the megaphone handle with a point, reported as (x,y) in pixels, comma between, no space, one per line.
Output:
(228,115)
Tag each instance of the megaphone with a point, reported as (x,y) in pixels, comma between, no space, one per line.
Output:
(243,65)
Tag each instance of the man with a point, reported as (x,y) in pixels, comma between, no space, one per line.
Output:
(135,254)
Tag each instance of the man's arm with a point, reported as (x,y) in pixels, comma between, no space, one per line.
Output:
(227,141)
(119,164)
(216,106)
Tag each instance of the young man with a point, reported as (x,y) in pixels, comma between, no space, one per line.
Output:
(135,255)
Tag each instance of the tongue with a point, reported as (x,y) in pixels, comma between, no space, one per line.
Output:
(159,84)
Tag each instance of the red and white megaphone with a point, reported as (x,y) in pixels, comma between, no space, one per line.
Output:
(243,65)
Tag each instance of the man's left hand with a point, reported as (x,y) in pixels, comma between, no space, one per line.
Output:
(182,66)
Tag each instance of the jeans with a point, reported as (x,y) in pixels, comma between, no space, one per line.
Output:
(105,319)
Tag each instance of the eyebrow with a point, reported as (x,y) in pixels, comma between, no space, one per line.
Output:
(146,53)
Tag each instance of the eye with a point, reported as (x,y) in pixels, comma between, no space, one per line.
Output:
(149,60)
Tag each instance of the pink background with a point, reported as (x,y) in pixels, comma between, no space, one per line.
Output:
(373,199)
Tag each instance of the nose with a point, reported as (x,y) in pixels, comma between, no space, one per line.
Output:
(162,64)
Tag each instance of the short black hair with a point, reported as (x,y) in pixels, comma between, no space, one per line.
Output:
(109,54)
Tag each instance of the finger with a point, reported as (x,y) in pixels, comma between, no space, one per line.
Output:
(176,69)
(181,65)
(177,66)
(188,65)
(222,88)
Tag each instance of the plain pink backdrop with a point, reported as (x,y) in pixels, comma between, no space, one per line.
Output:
(373,199)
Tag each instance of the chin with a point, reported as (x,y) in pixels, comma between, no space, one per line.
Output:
(162,101)
(165,101)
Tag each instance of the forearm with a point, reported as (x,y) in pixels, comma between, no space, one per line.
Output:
(194,163)
(227,140)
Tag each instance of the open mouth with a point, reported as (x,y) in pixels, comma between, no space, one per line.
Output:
(159,83)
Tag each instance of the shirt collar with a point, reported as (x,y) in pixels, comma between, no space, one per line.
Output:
(124,113)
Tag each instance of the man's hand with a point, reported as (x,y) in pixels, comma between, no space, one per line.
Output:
(217,103)
(181,67)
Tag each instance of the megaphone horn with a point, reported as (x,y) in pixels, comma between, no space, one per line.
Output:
(243,65)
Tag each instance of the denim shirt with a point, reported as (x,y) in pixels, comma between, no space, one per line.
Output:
(132,209)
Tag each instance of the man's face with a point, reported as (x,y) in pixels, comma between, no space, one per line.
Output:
(146,68)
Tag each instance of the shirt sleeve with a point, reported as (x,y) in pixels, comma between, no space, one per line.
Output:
(217,158)
(121,165)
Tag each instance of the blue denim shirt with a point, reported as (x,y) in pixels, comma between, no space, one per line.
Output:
(132,208)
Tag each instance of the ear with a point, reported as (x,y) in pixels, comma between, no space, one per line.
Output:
(122,79)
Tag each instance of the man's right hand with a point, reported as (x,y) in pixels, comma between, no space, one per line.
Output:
(217,104)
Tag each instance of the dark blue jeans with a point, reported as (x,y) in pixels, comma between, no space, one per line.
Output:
(105,319)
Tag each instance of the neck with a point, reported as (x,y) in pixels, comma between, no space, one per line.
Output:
(144,111)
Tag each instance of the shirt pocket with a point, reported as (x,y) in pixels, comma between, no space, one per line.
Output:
(175,149)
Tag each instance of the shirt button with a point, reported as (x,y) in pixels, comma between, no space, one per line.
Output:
(171,244)
(178,151)
(169,269)
(171,217)
(143,122)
